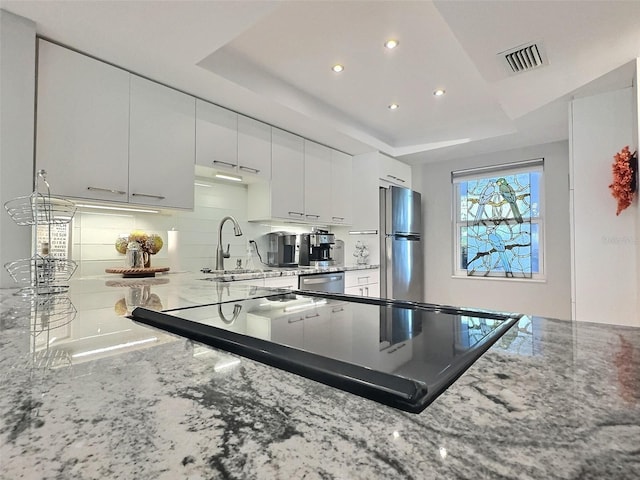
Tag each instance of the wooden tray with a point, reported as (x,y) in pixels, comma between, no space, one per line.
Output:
(137,272)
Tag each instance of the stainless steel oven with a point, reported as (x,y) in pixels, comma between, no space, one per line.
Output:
(322,282)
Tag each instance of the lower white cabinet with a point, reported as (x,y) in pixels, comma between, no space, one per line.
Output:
(290,282)
(363,283)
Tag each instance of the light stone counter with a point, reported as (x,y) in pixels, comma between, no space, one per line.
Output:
(95,398)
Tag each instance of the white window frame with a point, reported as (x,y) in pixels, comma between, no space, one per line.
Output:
(460,176)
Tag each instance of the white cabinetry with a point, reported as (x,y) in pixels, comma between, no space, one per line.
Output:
(364,283)
(161,145)
(283,197)
(232,143)
(289,281)
(105,134)
(317,182)
(82,125)
(216,136)
(341,188)
(310,183)
(394,171)
(254,147)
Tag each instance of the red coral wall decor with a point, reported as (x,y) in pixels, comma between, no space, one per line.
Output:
(625,178)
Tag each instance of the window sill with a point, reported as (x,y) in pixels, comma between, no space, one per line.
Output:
(501,279)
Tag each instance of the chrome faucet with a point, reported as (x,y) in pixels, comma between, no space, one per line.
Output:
(220,253)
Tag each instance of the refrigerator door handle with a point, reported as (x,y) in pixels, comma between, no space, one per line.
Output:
(411,237)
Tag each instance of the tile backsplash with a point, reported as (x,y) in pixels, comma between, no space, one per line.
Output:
(194,242)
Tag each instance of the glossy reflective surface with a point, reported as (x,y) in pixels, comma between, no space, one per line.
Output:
(399,353)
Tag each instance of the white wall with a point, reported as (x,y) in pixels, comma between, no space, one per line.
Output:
(17,84)
(636,130)
(550,298)
(605,250)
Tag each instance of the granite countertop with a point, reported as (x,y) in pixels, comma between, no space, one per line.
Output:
(274,272)
(92,395)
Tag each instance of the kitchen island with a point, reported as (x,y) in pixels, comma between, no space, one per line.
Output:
(551,399)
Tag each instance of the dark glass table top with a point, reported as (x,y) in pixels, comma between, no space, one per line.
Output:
(402,354)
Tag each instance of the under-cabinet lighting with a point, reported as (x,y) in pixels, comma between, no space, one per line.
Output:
(114,347)
(363,232)
(233,178)
(197,184)
(120,209)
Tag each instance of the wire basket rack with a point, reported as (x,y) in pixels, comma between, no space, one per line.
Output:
(44,312)
(39,209)
(44,274)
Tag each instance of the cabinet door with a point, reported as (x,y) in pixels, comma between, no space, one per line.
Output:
(287,175)
(394,171)
(289,281)
(288,330)
(254,147)
(161,145)
(82,125)
(317,331)
(341,188)
(216,136)
(317,182)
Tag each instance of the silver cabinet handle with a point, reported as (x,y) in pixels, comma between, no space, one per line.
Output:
(314,216)
(297,213)
(337,310)
(361,292)
(249,169)
(295,321)
(312,316)
(148,195)
(366,289)
(109,190)
(226,164)
(395,178)
(338,218)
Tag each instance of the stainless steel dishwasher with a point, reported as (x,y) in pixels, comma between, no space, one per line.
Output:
(332,282)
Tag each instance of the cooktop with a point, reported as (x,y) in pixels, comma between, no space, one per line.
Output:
(402,354)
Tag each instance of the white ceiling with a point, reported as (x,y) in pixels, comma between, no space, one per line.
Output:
(272,60)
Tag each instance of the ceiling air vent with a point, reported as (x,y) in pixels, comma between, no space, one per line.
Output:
(524,58)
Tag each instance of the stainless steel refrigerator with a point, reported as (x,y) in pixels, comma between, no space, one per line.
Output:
(401,265)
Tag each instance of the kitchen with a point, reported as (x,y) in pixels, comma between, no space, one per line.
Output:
(377,438)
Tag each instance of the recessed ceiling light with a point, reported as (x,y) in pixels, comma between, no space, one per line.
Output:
(337,68)
(391,44)
(394,106)
(439,92)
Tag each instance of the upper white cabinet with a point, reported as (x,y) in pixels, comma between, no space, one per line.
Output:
(286,190)
(105,134)
(317,182)
(216,136)
(302,183)
(161,145)
(341,188)
(254,147)
(394,171)
(82,125)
